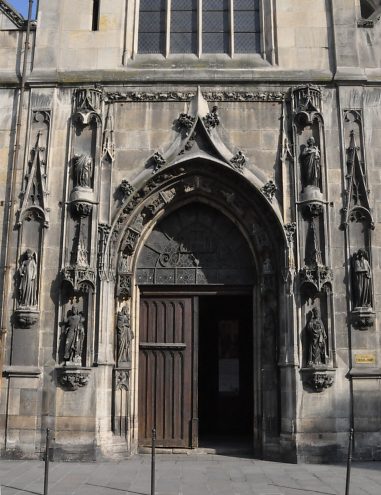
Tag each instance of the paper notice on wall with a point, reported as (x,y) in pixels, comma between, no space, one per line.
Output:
(228,376)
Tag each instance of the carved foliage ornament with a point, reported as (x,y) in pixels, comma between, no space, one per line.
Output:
(188,95)
(269,190)
(238,161)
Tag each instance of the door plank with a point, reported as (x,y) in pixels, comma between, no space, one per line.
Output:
(165,370)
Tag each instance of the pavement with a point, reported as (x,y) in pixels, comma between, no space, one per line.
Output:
(188,475)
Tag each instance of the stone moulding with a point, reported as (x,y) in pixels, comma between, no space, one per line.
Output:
(188,95)
(363,318)
(318,378)
(72,378)
(26,317)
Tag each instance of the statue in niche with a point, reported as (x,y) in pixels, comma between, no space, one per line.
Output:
(362,280)
(310,164)
(317,339)
(74,336)
(83,165)
(28,279)
(124,336)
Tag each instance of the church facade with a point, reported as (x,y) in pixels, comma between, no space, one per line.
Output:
(190,227)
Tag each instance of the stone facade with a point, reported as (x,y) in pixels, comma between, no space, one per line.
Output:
(284,144)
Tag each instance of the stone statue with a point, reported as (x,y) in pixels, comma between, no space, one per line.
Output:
(310,164)
(362,280)
(28,279)
(317,339)
(74,336)
(82,170)
(124,336)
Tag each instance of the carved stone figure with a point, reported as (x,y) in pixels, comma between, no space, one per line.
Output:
(28,279)
(83,165)
(362,280)
(124,336)
(310,164)
(317,339)
(74,336)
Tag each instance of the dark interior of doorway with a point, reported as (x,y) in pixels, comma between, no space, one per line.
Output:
(225,372)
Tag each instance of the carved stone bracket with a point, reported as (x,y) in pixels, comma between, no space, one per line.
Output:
(319,378)
(316,279)
(269,190)
(26,317)
(124,285)
(122,378)
(81,209)
(312,209)
(363,318)
(82,279)
(72,378)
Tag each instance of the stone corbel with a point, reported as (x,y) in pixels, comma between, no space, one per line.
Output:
(26,317)
(318,378)
(363,318)
(72,378)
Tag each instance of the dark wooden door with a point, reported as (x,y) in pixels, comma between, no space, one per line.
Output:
(166,363)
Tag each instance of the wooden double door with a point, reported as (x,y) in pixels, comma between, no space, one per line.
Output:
(195,368)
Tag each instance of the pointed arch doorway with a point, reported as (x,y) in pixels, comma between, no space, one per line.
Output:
(196,273)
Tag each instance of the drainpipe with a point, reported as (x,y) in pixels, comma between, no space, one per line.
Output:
(12,201)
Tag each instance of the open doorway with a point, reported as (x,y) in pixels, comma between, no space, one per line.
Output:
(225,371)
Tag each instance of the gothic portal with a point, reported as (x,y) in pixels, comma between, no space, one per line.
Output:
(189,219)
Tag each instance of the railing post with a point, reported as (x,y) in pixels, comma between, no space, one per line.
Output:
(349,462)
(153,461)
(47,453)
